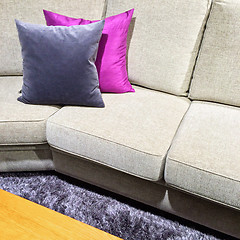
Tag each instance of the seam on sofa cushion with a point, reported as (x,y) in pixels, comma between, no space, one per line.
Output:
(217,104)
(156,155)
(99,162)
(204,26)
(37,120)
(24,121)
(104,12)
(179,125)
(24,144)
(203,170)
(25,147)
(191,83)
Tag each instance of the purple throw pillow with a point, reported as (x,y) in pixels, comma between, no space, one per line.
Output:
(58,64)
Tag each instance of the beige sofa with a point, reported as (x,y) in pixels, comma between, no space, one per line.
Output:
(175,143)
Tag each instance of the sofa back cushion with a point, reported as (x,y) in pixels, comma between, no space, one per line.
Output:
(32,11)
(217,73)
(163,41)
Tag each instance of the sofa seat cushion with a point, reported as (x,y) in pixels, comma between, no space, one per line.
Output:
(132,133)
(204,156)
(21,124)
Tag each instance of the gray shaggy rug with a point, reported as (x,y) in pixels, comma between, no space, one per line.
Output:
(109,212)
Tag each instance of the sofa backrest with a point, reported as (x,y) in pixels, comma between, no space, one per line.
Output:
(217,73)
(164,38)
(31,11)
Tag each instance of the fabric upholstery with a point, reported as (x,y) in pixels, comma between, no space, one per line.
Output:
(59,64)
(25,158)
(21,124)
(176,202)
(216,76)
(132,133)
(163,42)
(111,57)
(31,11)
(204,156)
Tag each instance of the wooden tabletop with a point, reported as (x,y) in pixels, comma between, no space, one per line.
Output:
(23,219)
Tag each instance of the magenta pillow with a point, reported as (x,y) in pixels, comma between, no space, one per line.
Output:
(111,57)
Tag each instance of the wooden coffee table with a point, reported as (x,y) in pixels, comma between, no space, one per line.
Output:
(23,219)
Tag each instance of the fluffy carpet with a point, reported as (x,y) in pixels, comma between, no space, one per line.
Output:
(99,208)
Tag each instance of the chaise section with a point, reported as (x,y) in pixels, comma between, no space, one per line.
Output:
(22,127)
(131,134)
(205,154)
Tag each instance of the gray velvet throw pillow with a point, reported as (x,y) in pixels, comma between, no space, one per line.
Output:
(58,64)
